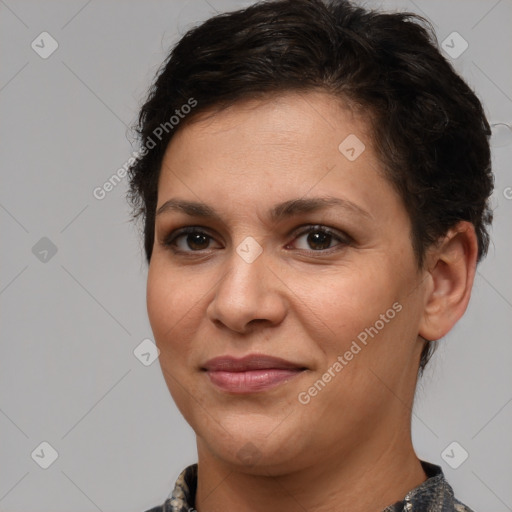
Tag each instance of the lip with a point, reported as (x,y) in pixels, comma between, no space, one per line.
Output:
(250,374)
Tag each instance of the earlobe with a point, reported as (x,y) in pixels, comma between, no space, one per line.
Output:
(452,266)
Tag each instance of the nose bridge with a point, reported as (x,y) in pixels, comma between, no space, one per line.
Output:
(245,278)
(248,290)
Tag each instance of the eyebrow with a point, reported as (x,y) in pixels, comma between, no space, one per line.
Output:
(279,212)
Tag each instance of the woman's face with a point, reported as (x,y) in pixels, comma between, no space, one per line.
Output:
(300,251)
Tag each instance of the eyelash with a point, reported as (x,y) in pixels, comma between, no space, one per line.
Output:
(343,239)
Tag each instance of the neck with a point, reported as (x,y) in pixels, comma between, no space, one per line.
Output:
(366,480)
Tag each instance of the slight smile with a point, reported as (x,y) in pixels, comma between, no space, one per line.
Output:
(250,374)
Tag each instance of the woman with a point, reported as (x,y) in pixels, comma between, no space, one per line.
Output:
(314,182)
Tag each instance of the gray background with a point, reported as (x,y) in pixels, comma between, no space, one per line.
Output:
(71,321)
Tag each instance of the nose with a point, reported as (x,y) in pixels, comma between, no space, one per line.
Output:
(247,294)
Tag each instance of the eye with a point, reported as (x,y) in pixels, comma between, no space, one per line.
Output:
(194,239)
(189,239)
(321,238)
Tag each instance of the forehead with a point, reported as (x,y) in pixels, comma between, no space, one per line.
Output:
(281,131)
(284,147)
(287,115)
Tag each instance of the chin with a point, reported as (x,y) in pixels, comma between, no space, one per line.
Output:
(259,446)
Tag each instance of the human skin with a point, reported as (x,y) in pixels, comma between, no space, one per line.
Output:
(350,446)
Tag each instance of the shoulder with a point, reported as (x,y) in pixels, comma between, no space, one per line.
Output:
(182,498)
(460,507)
(434,495)
(171,505)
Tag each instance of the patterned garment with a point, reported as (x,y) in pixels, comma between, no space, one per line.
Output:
(433,495)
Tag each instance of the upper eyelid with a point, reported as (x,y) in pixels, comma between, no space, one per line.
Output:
(296,231)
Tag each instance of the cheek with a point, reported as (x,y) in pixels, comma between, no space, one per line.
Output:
(158,299)
(365,314)
(345,302)
(171,316)
(169,303)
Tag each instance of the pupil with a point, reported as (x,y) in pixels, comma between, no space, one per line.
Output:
(322,239)
(196,239)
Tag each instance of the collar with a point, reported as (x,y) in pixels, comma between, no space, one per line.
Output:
(433,495)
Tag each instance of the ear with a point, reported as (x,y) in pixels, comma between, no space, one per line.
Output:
(451,267)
